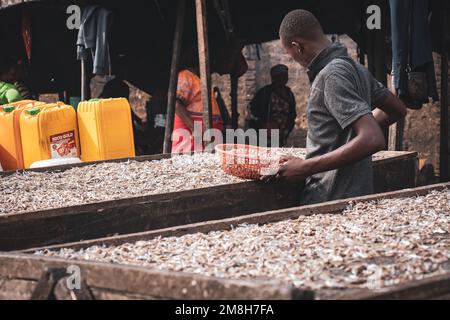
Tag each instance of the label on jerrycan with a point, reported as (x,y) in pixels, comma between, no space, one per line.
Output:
(63,145)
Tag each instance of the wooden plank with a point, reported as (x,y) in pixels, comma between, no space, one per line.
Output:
(395,175)
(13,289)
(25,230)
(149,282)
(429,288)
(203,54)
(334,207)
(172,92)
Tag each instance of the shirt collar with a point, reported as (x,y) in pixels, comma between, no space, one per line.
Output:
(323,58)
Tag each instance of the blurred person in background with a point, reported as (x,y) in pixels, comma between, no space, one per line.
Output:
(156,110)
(12,86)
(274,106)
(189,107)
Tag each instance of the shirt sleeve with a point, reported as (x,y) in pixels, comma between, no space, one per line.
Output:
(184,88)
(378,92)
(343,101)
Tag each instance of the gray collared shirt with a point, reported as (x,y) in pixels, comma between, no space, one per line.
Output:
(342,91)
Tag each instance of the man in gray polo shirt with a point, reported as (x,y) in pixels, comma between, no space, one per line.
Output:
(346,112)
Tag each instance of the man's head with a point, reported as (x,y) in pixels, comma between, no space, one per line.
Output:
(280,75)
(115,88)
(302,36)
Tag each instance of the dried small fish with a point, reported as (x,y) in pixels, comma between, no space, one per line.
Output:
(371,245)
(33,191)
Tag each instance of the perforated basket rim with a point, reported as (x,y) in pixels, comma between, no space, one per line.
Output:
(220,150)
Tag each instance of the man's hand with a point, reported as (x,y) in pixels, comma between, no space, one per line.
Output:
(294,169)
(368,140)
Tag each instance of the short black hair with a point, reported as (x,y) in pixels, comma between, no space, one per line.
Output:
(300,23)
(115,88)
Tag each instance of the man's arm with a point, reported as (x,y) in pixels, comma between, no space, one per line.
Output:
(390,111)
(369,140)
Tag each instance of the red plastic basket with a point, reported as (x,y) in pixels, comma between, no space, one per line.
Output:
(247,162)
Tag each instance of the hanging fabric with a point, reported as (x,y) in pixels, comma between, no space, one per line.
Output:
(93,38)
(412,67)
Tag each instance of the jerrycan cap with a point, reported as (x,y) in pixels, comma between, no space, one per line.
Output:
(94,100)
(33,111)
(8,109)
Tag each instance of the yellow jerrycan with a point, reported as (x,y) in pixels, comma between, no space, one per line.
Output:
(106,129)
(11,157)
(49,132)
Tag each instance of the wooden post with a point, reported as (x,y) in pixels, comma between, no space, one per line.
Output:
(172,92)
(377,51)
(234,101)
(85,86)
(445,132)
(203,52)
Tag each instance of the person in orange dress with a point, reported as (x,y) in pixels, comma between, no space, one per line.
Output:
(189,108)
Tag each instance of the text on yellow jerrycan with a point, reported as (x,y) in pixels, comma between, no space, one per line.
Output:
(49,132)
(106,129)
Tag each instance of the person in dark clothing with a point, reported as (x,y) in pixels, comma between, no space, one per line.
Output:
(117,88)
(346,112)
(274,106)
(156,110)
(12,85)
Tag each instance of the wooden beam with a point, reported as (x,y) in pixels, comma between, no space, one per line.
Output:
(85,85)
(429,288)
(150,283)
(203,52)
(172,92)
(445,112)
(377,51)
